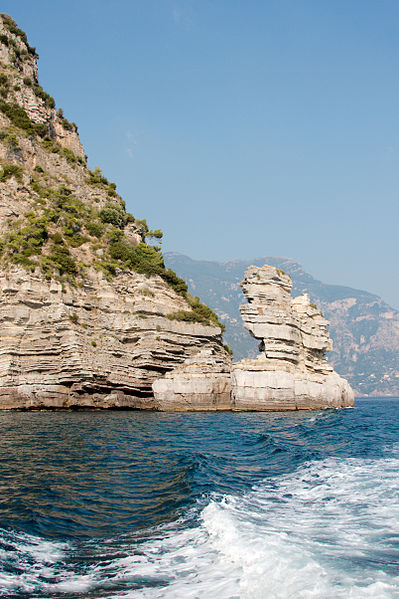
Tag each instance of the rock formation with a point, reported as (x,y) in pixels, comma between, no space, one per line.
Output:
(291,371)
(200,383)
(364,329)
(89,314)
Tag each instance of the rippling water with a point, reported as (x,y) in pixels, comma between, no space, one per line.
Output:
(131,504)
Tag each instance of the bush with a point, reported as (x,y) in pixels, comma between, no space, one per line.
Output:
(38,169)
(11,170)
(114,215)
(20,119)
(95,229)
(178,284)
(40,93)
(12,27)
(61,259)
(26,241)
(55,148)
(57,237)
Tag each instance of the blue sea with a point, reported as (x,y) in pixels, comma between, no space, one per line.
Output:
(200,505)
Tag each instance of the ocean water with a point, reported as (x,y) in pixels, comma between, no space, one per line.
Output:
(201,505)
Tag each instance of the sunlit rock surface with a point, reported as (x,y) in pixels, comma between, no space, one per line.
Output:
(291,371)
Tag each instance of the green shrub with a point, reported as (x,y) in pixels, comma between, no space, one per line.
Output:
(11,170)
(95,228)
(114,215)
(12,142)
(94,344)
(27,81)
(178,284)
(4,39)
(55,148)
(228,349)
(38,169)
(74,318)
(3,79)
(57,237)
(25,241)
(65,123)
(96,179)
(157,234)
(40,93)
(12,27)
(60,258)
(20,119)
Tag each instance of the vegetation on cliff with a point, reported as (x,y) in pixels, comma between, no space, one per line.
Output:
(72,217)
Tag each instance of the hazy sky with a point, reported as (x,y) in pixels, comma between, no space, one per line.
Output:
(240,128)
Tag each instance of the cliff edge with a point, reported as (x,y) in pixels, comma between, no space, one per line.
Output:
(89,314)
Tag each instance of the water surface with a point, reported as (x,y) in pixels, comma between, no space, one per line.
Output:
(133,504)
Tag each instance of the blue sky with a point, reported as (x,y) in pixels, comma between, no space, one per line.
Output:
(240,128)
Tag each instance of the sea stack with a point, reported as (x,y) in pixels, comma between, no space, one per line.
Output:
(291,371)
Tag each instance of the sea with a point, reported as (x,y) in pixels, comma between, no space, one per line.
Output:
(122,504)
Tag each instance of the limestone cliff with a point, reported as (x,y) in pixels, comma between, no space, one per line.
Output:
(291,371)
(89,314)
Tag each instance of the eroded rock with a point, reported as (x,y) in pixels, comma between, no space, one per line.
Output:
(291,371)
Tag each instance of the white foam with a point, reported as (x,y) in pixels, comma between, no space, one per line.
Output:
(322,532)
(327,531)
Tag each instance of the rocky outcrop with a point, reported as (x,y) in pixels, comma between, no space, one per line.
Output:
(291,371)
(364,329)
(200,383)
(89,315)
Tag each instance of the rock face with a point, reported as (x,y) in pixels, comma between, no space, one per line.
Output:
(291,372)
(98,346)
(200,383)
(89,315)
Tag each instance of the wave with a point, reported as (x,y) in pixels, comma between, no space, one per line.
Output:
(327,530)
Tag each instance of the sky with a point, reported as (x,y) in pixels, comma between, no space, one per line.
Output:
(241,128)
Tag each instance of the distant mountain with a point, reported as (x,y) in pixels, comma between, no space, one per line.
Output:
(364,329)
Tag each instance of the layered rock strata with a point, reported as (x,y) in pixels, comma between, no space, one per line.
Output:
(101,345)
(201,383)
(89,316)
(291,372)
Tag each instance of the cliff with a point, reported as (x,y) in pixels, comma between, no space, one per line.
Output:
(89,314)
(291,371)
(364,329)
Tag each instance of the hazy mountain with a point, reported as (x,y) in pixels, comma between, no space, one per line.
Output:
(364,329)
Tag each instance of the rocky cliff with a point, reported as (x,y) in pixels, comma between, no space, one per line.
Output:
(364,329)
(89,314)
(291,371)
